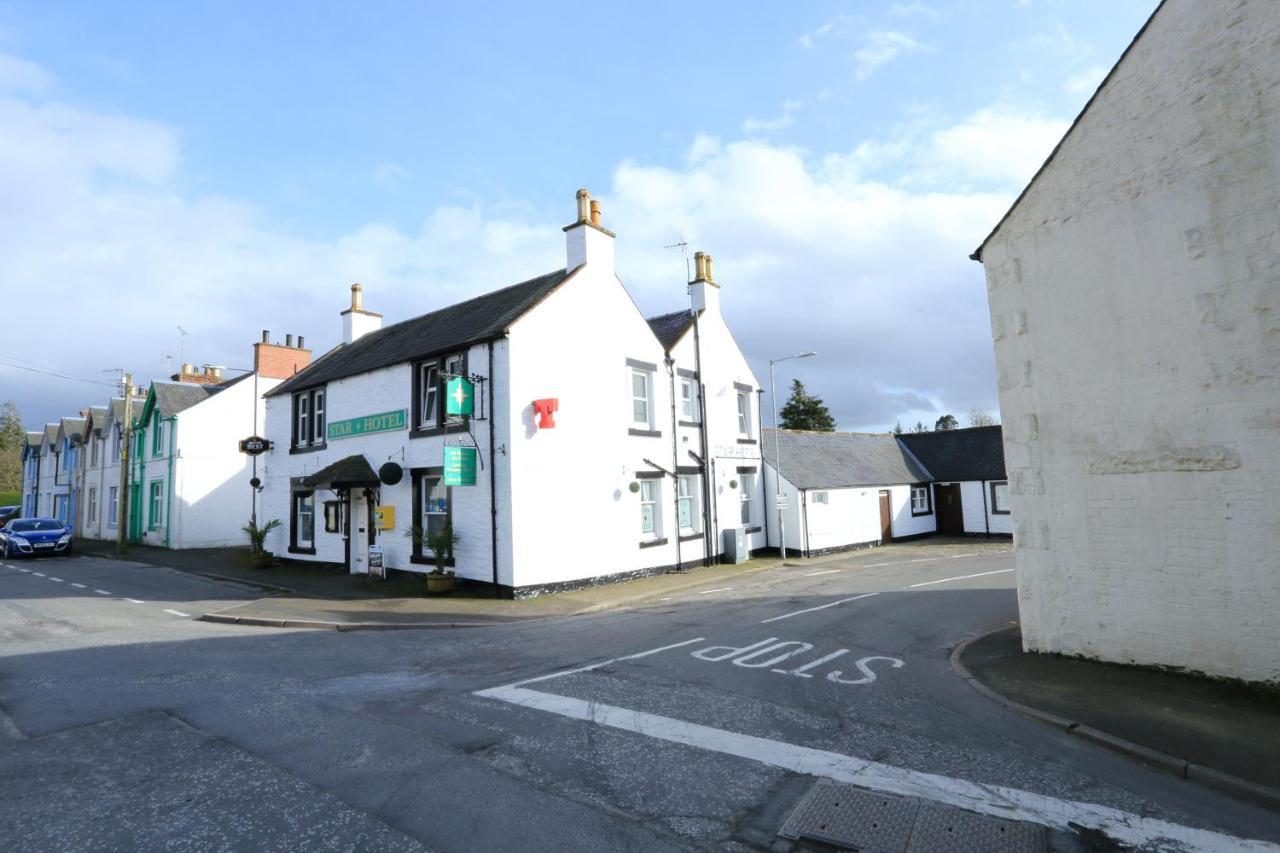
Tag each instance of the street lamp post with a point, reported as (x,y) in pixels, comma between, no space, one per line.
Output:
(777,456)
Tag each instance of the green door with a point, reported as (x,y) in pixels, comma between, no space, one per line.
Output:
(135,513)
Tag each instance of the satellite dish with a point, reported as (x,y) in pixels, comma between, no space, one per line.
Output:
(390,473)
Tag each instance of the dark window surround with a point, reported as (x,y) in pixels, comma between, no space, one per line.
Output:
(645,433)
(415,478)
(746,441)
(649,475)
(754,529)
(688,469)
(416,430)
(689,537)
(686,374)
(992,486)
(654,543)
(928,497)
(738,386)
(642,365)
(294,547)
(748,469)
(314,444)
(688,423)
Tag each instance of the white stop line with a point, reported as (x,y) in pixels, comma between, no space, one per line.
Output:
(994,800)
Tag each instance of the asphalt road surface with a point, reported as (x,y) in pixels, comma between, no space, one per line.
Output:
(699,722)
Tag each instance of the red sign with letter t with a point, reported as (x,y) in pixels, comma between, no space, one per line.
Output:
(545,409)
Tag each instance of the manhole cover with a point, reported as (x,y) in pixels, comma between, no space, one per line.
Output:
(869,822)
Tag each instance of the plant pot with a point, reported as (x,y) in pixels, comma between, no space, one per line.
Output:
(439,583)
(261,560)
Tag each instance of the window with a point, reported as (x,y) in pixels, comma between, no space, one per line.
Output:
(116,433)
(93,452)
(744,497)
(334,516)
(687,504)
(157,436)
(1000,498)
(429,395)
(155,518)
(309,419)
(430,380)
(304,522)
(688,400)
(920,500)
(820,497)
(650,491)
(67,457)
(113,505)
(93,506)
(433,508)
(744,414)
(641,384)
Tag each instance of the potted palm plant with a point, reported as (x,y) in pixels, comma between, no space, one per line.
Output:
(441,542)
(258,541)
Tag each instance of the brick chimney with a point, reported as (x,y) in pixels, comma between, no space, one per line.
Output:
(704,293)
(357,322)
(586,241)
(208,375)
(276,361)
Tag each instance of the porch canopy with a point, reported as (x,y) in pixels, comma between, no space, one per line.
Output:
(353,472)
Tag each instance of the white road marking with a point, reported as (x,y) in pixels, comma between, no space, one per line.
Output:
(39,574)
(55,580)
(78,585)
(815,574)
(102,592)
(819,607)
(664,599)
(178,613)
(134,601)
(995,800)
(961,578)
(709,591)
(25,571)
(590,667)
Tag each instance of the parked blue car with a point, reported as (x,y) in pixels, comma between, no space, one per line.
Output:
(29,537)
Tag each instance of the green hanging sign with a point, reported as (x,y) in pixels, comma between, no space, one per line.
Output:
(459,466)
(459,397)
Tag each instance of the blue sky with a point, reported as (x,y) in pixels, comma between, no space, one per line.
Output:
(232,167)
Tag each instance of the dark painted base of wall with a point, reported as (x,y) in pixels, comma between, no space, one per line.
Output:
(839,549)
(915,536)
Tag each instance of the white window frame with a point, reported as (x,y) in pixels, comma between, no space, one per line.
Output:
(646,376)
(744,414)
(155,505)
(302,411)
(93,452)
(317,425)
(651,501)
(117,434)
(687,504)
(113,503)
(93,505)
(746,483)
(304,505)
(920,500)
(689,400)
(429,390)
(821,498)
(310,417)
(999,505)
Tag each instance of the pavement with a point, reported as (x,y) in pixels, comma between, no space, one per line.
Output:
(1204,729)
(712,717)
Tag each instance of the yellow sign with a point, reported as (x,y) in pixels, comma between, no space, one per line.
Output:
(384,518)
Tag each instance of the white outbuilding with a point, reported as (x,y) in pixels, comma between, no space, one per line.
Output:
(563,437)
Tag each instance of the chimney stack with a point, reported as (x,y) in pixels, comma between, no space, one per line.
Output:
(273,361)
(587,241)
(704,293)
(357,322)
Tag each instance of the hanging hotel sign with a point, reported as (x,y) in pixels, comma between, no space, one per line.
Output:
(459,466)
(369,423)
(460,397)
(254,445)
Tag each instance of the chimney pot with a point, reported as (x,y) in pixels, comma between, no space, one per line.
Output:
(300,344)
(706,259)
(699,266)
(584,206)
(266,336)
(595,213)
(288,340)
(356,296)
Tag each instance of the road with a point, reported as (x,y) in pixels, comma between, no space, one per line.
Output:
(699,722)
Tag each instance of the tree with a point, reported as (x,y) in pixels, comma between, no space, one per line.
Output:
(12,440)
(919,427)
(803,411)
(897,428)
(946,422)
(978,418)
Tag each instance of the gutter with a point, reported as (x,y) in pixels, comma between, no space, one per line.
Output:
(168,510)
(675,459)
(493,476)
(708,530)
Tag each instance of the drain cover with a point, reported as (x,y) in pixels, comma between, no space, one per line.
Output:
(869,822)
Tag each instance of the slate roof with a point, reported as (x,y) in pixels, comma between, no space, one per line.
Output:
(976,453)
(345,473)
(669,328)
(51,434)
(832,460)
(73,427)
(480,319)
(97,415)
(174,397)
(117,408)
(34,439)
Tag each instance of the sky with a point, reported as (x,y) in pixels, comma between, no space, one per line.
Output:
(177,177)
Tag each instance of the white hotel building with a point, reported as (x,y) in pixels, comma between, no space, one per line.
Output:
(609,445)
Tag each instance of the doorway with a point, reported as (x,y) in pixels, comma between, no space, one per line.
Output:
(950,513)
(358,529)
(886,517)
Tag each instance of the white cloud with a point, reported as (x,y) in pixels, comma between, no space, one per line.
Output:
(1084,82)
(853,254)
(831,27)
(784,118)
(19,76)
(880,47)
(911,10)
(390,175)
(996,145)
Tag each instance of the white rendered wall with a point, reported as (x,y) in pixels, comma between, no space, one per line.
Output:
(904,523)
(793,515)
(1135,308)
(850,517)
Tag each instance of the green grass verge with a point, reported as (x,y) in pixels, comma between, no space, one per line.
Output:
(10,498)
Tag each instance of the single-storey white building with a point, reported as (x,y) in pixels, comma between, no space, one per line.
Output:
(587,443)
(845,490)
(970,489)
(1134,291)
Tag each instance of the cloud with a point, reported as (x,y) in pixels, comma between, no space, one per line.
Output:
(1084,82)
(911,10)
(830,27)
(860,254)
(390,175)
(19,76)
(880,47)
(997,144)
(785,118)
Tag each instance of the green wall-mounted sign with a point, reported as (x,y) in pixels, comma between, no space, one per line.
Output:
(459,466)
(369,423)
(459,397)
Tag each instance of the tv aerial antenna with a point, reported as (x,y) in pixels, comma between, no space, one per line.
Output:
(683,246)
